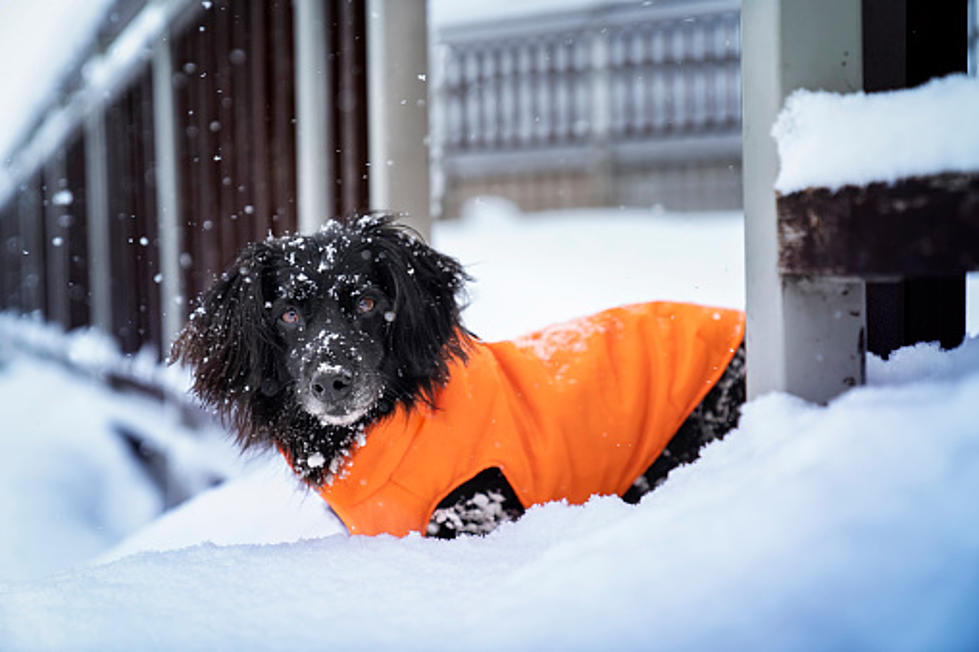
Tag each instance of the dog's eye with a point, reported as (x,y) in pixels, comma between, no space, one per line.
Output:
(290,316)
(365,305)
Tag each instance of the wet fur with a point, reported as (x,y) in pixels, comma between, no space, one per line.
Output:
(238,354)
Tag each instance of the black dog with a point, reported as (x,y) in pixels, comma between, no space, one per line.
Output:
(305,341)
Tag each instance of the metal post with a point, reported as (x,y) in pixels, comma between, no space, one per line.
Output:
(397,106)
(171,281)
(315,172)
(96,189)
(805,336)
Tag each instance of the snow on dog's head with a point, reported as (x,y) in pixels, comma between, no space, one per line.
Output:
(305,340)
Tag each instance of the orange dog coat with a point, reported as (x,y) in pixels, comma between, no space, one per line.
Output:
(573,410)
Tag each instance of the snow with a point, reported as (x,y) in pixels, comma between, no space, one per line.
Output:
(561,265)
(851,526)
(831,140)
(48,35)
(71,465)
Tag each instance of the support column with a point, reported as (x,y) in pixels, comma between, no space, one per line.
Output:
(802,334)
(96,188)
(170,234)
(315,172)
(906,43)
(397,92)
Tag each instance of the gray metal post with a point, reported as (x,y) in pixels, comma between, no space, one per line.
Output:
(397,107)
(805,336)
(171,283)
(314,164)
(97,192)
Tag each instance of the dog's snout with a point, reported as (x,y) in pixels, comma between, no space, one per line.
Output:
(332,385)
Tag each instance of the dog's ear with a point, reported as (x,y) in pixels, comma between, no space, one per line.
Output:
(224,339)
(426,330)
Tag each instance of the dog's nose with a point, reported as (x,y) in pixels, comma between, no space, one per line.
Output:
(332,385)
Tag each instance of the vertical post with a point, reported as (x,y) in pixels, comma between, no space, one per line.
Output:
(315,172)
(164,117)
(96,188)
(30,209)
(804,336)
(906,43)
(397,109)
(57,239)
(350,108)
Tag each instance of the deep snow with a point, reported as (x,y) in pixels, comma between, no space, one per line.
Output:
(849,526)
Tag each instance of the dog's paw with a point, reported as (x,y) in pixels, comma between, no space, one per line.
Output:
(479,514)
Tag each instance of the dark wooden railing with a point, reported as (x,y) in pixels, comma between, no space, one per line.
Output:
(235,114)
(80,260)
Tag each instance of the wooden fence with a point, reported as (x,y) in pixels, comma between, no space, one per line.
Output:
(149,179)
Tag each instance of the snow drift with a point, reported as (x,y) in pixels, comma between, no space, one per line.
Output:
(847,526)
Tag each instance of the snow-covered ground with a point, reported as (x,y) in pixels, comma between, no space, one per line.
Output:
(852,526)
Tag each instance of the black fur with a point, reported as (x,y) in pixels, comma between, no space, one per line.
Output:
(250,366)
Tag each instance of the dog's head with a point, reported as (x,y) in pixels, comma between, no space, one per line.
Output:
(303,340)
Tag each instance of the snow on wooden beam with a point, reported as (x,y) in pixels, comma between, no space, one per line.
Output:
(880,185)
(833,140)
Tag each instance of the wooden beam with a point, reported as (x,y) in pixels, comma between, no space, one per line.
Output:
(350,106)
(922,226)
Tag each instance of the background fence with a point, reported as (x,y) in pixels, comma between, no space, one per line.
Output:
(634,104)
(151,173)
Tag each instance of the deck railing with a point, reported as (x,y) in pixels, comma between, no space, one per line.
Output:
(622,87)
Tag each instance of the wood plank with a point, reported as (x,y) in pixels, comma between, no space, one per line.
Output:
(282,99)
(257,51)
(921,226)
(56,216)
(10,255)
(79,308)
(350,107)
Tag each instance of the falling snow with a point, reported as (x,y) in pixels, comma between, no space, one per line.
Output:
(62,198)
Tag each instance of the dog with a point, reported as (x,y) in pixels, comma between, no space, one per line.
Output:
(345,350)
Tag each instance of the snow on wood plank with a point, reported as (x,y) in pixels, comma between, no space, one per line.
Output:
(828,140)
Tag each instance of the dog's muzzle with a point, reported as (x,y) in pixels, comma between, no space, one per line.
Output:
(337,394)
(331,384)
